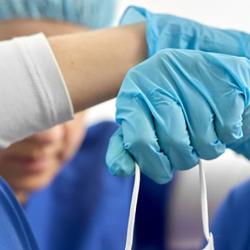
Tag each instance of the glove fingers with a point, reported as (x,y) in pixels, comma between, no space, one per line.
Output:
(194,98)
(173,136)
(141,141)
(246,122)
(228,122)
(117,158)
(201,128)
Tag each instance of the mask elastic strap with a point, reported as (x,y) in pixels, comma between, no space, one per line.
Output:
(131,221)
(204,209)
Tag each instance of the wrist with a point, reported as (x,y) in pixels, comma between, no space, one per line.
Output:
(133,15)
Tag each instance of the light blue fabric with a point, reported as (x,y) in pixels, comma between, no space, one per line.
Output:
(231,225)
(181,105)
(92,13)
(176,107)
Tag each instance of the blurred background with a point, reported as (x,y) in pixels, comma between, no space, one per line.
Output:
(222,173)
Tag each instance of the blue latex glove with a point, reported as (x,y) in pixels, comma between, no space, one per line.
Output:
(167,31)
(176,107)
(242,146)
(92,13)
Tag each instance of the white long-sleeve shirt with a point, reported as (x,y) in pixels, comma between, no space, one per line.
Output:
(33,95)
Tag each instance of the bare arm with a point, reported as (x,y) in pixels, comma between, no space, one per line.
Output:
(94,63)
(33,97)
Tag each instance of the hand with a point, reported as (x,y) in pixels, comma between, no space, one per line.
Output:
(168,31)
(176,107)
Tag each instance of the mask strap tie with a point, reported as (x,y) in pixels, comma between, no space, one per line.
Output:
(134,199)
(204,209)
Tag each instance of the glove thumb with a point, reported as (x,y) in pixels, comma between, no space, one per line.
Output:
(118,159)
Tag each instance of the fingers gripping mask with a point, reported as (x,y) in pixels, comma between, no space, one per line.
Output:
(204,209)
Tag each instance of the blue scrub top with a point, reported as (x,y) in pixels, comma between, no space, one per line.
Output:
(85,207)
(151,225)
(231,225)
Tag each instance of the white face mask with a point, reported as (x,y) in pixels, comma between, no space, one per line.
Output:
(204,210)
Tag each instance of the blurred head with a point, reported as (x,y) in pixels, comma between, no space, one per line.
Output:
(32,164)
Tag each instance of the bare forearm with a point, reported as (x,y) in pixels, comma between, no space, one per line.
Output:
(33,94)
(94,63)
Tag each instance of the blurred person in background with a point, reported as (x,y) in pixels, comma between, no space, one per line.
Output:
(59,175)
(231,224)
(195,46)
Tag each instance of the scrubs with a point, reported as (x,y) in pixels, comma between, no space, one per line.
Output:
(85,207)
(231,226)
(151,216)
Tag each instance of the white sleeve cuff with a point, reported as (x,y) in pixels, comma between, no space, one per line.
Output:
(33,94)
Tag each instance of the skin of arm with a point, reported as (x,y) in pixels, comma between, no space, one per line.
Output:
(94,63)
(92,56)
(48,149)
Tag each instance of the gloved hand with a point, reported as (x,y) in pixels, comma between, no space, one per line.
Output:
(176,107)
(167,31)
(242,146)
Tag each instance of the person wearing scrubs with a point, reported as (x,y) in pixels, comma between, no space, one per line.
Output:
(59,175)
(188,100)
(231,224)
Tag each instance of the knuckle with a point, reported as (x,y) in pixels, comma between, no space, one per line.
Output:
(208,150)
(183,158)
(139,141)
(164,178)
(227,130)
(202,142)
(229,133)
(189,163)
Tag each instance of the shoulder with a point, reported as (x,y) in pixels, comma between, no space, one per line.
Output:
(239,197)
(231,225)
(237,204)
